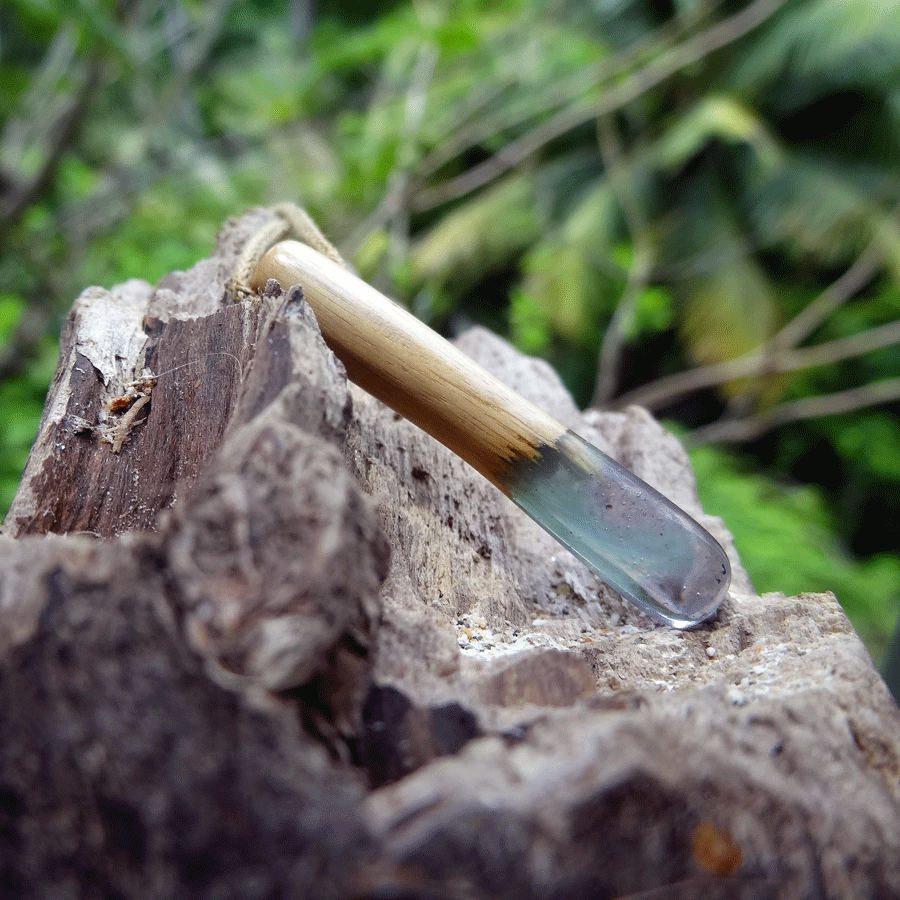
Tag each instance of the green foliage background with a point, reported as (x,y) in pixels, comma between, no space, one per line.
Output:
(628,188)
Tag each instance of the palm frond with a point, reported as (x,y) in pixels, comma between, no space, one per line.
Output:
(479,235)
(819,207)
(818,46)
(720,117)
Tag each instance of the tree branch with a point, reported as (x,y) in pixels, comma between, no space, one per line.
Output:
(825,354)
(835,295)
(459,139)
(638,272)
(771,357)
(62,135)
(739,430)
(679,57)
(394,199)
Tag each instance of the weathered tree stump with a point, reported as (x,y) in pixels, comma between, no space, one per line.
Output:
(265,639)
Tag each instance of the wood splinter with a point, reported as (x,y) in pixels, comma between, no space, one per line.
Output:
(136,396)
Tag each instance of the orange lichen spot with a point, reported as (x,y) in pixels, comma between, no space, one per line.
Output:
(715,850)
(120,403)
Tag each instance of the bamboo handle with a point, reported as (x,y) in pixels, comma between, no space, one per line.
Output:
(405,364)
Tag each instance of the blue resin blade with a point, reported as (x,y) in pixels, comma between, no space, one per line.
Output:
(635,539)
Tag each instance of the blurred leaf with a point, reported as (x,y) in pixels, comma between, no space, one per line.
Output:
(871,441)
(530,323)
(820,207)
(479,235)
(563,290)
(593,223)
(21,406)
(560,282)
(821,45)
(887,236)
(728,313)
(716,116)
(785,538)
(371,254)
(654,313)
(76,178)
(11,310)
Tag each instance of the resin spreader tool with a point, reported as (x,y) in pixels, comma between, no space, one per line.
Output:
(636,540)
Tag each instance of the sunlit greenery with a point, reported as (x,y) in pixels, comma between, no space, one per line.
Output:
(626,188)
(801,550)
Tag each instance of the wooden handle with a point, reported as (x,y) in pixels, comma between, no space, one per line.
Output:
(401,361)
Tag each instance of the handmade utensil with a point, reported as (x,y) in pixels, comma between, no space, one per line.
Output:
(636,540)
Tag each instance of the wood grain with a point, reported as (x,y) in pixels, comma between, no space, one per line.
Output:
(75,482)
(405,364)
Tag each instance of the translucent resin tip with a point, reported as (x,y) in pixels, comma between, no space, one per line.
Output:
(636,540)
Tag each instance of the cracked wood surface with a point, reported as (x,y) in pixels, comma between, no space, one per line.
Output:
(315,654)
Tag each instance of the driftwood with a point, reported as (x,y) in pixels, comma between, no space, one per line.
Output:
(266,639)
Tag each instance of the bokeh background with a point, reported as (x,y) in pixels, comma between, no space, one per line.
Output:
(688,204)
